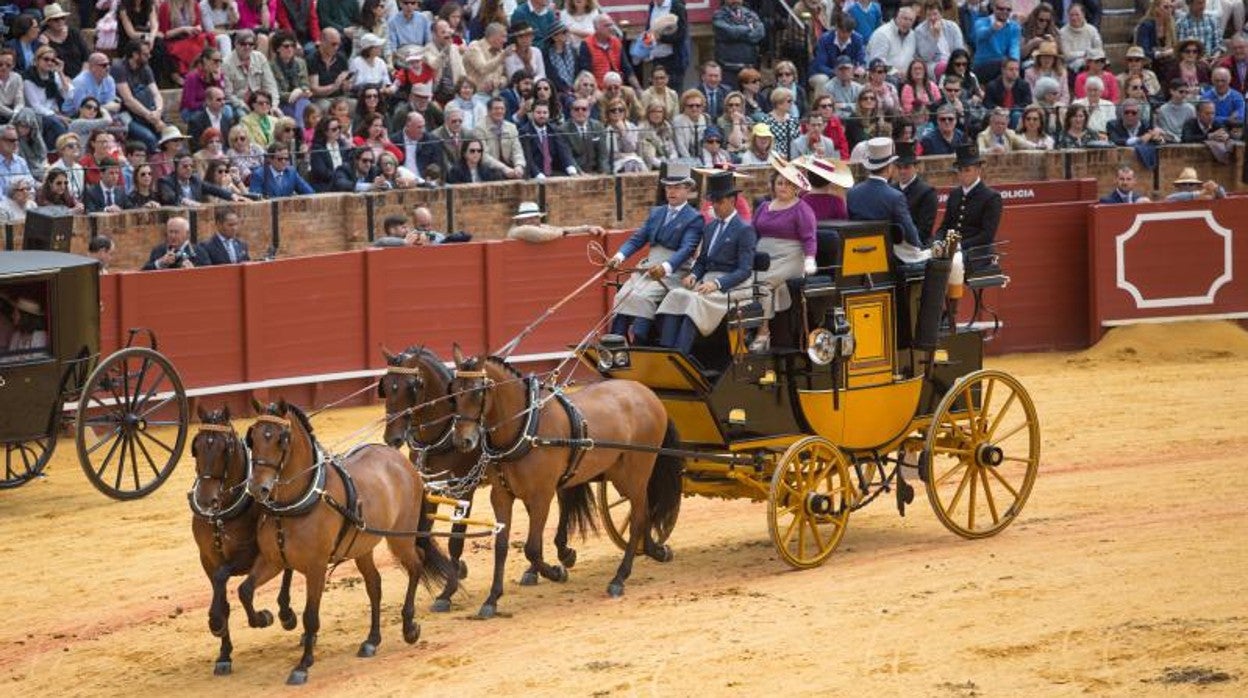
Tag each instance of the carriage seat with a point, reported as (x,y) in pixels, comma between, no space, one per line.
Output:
(748,314)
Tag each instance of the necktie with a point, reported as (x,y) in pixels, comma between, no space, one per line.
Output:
(715,236)
(108,198)
(545,146)
(667,219)
(710,102)
(229,247)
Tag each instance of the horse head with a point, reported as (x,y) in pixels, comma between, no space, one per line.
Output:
(220,464)
(471,391)
(270,440)
(403,388)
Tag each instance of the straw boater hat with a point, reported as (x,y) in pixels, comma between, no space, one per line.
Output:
(370,40)
(53,11)
(835,172)
(170,133)
(880,154)
(1188,176)
(28,306)
(1095,54)
(677,173)
(1136,52)
(789,172)
(1048,48)
(528,209)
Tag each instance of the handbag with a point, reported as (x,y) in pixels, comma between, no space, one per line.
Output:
(106,27)
(639,49)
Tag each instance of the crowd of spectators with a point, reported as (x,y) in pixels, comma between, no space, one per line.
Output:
(290,97)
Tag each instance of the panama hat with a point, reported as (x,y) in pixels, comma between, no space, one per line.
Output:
(371,40)
(528,209)
(1135,53)
(556,29)
(1095,54)
(786,169)
(880,154)
(1048,48)
(170,133)
(1188,176)
(28,306)
(677,173)
(53,11)
(834,172)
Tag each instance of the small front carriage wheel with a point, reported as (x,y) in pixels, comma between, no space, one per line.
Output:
(25,460)
(132,423)
(811,497)
(982,453)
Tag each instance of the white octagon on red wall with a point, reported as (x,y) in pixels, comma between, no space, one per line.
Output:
(1194,219)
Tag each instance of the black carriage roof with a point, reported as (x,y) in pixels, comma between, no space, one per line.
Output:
(32,262)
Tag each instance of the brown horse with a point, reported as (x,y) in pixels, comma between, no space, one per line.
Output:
(538,443)
(321,510)
(415,387)
(224,525)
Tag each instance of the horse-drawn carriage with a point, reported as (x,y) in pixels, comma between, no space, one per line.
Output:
(129,409)
(871,384)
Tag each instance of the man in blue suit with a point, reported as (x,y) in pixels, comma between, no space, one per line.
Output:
(226,247)
(1124,192)
(874,199)
(726,262)
(276,179)
(673,232)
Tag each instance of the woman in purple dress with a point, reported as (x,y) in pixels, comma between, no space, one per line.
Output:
(786,231)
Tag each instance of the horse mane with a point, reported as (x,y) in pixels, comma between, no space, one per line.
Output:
(501,362)
(302,417)
(426,355)
(217,416)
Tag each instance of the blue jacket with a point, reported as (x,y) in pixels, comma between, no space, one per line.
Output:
(826,53)
(275,186)
(733,252)
(682,235)
(875,200)
(996,45)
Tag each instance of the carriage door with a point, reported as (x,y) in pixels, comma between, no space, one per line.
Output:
(29,376)
(870,314)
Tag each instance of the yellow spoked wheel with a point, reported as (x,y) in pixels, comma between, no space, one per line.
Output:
(615,511)
(811,496)
(982,452)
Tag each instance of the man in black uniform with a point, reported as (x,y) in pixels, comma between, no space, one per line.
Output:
(920,196)
(974,212)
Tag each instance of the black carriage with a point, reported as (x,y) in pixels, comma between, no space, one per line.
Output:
(128,410)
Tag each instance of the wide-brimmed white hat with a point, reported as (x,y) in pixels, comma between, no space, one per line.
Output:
(53,11)
(171,133)
(370,40)
(836,172)
(786,169)
(880,153)
(28,306)
(528,209)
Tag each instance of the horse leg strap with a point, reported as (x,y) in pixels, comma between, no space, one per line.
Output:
(578,438)
(281,543)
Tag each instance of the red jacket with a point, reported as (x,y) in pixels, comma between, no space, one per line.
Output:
(835,130)
(314,24)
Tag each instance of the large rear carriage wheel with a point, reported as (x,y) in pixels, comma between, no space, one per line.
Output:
(132,423)
(615,511)
(982,453)
(811,497)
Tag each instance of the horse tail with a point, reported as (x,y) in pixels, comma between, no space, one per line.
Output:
(438,566)
(663,492)
(577,506)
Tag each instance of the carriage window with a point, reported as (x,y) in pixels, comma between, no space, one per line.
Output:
(24,328)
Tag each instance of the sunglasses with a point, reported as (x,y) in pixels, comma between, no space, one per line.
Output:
(246,43)
(694,105)
(716,141)
(947,119)
(785,74)
(367,161)
(238,139)
(9,139)
(616,110)
(867,98)
(334,129)
(262,103)
(580,108)
(474,150)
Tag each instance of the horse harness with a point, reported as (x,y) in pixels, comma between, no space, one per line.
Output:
(241,504)
(411,439)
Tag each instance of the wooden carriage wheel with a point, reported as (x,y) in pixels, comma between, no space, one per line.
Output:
(811,497)
(615,510)
(132,423)
(981,454)
(25,460)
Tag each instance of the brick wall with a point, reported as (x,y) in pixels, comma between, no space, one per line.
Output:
(339,222)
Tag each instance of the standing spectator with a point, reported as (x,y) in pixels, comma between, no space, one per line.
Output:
(713,89)
(560,59)
(1079,38)
(46,89)
(278,179)
(327,70)
(671,46)
(142,104)
(299,17)
(585,138)
(215,114)
(603,53)
(545,150)
(946,137)
(1202,27)
(538,15)
(894,41)
(185,188)
(738,33)
(996,38)
(109,195)
(68,43)
(182,29)
(832,47)
(1227,103)
(936,38)
(579,16)
(247,71)
(226,247)
(408,26)
(446,57)
(177,251)
(95,82)
(12,90)
(290,74)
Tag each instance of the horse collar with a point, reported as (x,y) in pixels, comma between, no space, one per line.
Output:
(310,497)
(524,440)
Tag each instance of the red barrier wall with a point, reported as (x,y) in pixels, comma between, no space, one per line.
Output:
(1161,261)
(1027,193)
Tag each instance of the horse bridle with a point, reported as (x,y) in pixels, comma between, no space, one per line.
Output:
(414,383)
(283,442)
(486,384)
(232,442)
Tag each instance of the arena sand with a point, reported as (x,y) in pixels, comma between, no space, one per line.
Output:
(1124,575)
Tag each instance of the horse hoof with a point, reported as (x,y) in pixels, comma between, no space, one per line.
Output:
(263,619)
(558,574)
(487,611)
(289,620)
(615,589)
(528,579)
(298,677)
(463,569)
(222,668)
(440,606)
(568,558)
(411,634)
(663,553)
(367,649)
(216,630)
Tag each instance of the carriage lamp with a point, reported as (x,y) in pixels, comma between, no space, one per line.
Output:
(612,352)
(736,417)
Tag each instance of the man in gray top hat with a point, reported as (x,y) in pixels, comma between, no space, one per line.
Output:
(874,199)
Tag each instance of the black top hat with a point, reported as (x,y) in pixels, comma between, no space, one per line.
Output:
(967,154)
(905,153)
(720,185)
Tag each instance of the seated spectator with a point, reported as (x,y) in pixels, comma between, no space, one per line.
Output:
(786,78)
(995,38)
(1191,67)
(171,144)
(13,165)
(108,195)
(55,192)
(211,149)
(523,54)
(1203,128)
(1134,89)
(813,142)
(735,124)
(660,93)
(288,134)
(1227,103)
(946,137)
(278,179)
(1189,187)
(843,41)
(998,138)
(1176,112)
(243,152)
(762,143)
(207,74)
(260,121)
(141,100)
(46,87)
(226,247)
(145,193)
(1236,63)
(544,92)
(713,153)
(182,29)
(247,71)
(227,176)
(417,147)
(406,27)
(311,117)
(101,248)
(1008,91)
(1200,26)
(613,87)
(371,134)
(545,150)
(473,108)
(954,95)
(527,225)
(1124,191)
(751,85)
(1137,68)
(1156,33)
(658,139)
(483,59)
(360,174)
(93,82)
(177,251)
(843,88)
(623,140)
(12,89)
(220,21)
(214,114)
(1040,27)
(330,150)
(867,120)
(29,326)
(328,77)
(471,167)
(584,136)
(1049,64)
(24,41)
(370,68)
(1131,128)
(878,81)
(1100,111)
(893,43)
(936,38)
(960,67)
(68,43)
(918,91)
(1096,69)
(1075,132)
(89,122)
(395,175)
(420,101)
(1033,135)
(184,188)
(100,145)
(604,53)
(135,155)
(69,148)
(290,73)
(19,198)
(397,233)
(1079,38)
